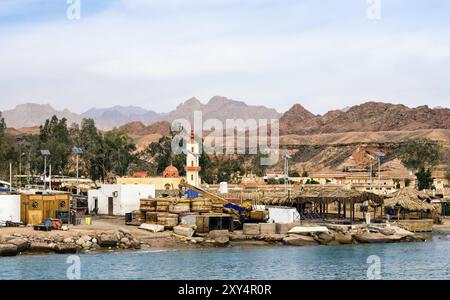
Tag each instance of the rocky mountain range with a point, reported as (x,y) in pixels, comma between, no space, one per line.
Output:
(32,115)
(367,117)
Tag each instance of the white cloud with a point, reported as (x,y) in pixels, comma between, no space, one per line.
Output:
(158,53)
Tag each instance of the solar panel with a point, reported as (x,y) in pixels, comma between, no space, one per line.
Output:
(45,152)
(380,154)
(77,150)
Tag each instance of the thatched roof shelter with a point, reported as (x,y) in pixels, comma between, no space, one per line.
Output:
(321,195)
(409,199)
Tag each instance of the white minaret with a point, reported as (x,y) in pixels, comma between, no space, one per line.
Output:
(192,162)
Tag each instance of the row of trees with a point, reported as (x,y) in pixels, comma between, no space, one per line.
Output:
(104,154)
(158,155)
(107,154)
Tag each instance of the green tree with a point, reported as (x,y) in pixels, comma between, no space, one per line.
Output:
(90,140)
(118,153)
(425,179)
(294,174)
(272,181)
(54,136)
(421,155)
(312,181)
(160,156)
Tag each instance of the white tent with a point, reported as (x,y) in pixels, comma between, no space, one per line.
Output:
(283,215)
(9,208)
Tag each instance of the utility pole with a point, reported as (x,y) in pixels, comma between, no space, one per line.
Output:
(78,151)
(45,172)
(371,158)
(286,172)
(379,154)
(50,177)
(10,177)
(45,153)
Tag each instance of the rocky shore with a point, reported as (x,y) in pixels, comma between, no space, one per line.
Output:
(12,245)
(131,239)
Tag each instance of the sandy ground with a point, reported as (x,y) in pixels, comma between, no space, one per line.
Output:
(442,228)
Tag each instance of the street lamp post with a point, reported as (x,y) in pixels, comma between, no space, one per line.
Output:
(45,153)
(371,158)
(379,155)
(286,172)
(77,151)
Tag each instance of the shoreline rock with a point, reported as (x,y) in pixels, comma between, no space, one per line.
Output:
(8,250)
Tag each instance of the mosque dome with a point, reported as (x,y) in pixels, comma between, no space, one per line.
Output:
(171,171)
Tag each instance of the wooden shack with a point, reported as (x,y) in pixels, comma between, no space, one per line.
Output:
(36,208)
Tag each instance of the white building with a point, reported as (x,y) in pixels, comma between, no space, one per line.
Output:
(118,199)
(9,208)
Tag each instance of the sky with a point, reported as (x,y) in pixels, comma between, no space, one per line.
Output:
(156,54)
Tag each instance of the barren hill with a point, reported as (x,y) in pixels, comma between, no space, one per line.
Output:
(34,115)
(221,108)
(367,117)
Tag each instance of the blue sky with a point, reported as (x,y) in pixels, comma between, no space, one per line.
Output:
(157,53)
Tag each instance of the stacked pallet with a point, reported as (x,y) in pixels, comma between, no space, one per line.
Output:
(168,212)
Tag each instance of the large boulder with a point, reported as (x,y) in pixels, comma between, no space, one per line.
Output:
(324,238)
(41,247)
(213,234)
(369,237)
(22,244)
(66,248)
(344,239)
(274,237)
(6,238)
(8,250)
(220,237)
(221,241)
(107,240)
(300,240)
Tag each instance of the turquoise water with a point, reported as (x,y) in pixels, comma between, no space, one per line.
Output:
(429,260)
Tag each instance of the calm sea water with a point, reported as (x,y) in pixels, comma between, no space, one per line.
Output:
(429,260)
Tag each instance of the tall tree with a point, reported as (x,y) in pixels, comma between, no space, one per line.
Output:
(119,152)
(421,155)
(54,136)
(91,142)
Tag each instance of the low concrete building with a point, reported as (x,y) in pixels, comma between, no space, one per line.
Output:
(160,183)
(118,199)
(170,179)
(9,208)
